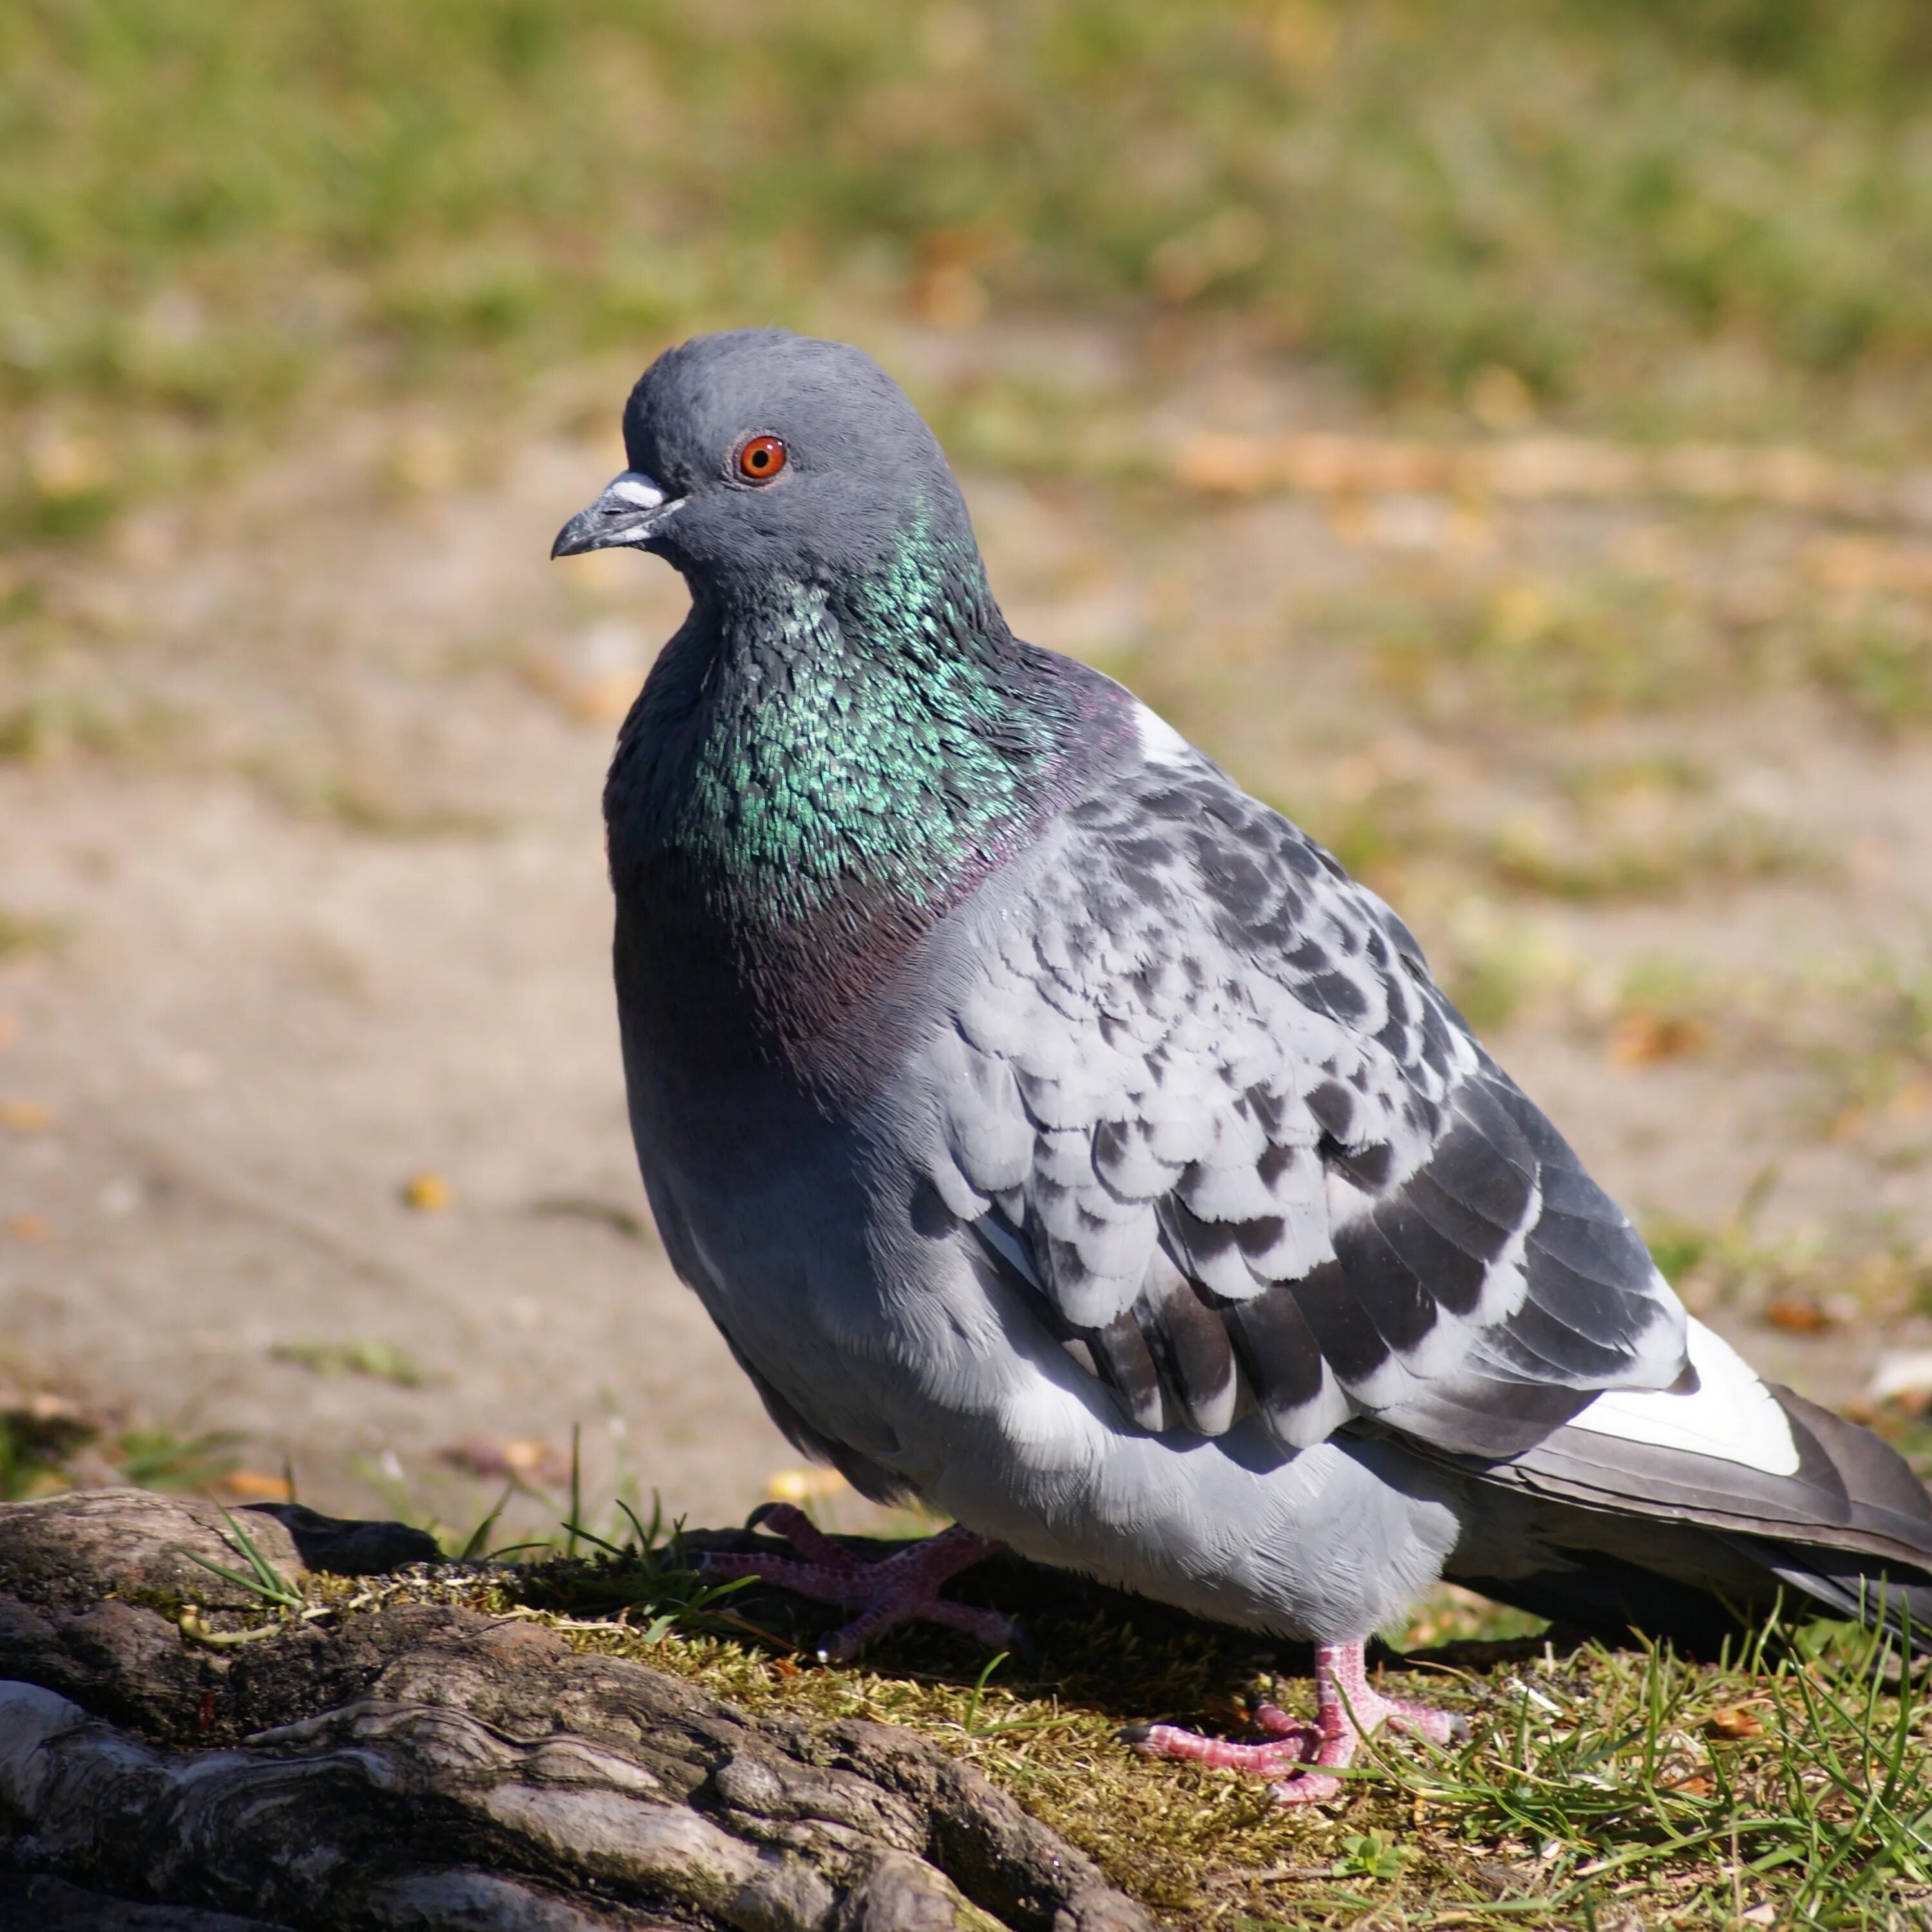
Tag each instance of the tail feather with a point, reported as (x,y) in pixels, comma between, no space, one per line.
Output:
(1886,1496)
(1620,1602)
(1880,1596)
(1618,1534)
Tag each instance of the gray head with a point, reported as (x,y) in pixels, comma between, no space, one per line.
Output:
(759,454)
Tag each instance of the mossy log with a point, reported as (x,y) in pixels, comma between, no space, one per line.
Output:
(425,1767)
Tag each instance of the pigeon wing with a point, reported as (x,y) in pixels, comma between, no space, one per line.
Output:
(1200,1098)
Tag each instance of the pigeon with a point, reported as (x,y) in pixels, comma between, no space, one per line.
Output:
(1061,1138)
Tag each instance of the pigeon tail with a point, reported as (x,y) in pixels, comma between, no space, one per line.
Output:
(1688,1517)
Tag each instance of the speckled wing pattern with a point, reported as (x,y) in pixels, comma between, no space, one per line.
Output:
(1202,1103)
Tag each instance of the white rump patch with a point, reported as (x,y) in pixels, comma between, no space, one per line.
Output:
(1161,744)
(1732,1416)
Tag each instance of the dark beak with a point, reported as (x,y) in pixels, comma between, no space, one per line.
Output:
(627,515)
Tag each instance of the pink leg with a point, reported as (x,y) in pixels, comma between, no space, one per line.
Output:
(899,1589)
(1347,1707)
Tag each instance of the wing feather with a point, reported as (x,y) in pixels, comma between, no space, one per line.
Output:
(1198,1094)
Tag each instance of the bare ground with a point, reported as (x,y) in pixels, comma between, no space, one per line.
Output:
(303,883)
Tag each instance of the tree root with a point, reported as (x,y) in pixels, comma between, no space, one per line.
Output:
(418,1767)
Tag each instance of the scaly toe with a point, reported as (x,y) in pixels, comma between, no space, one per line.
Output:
(1269,1759)
(886,1592)
(1424,1720)
(1306,1787)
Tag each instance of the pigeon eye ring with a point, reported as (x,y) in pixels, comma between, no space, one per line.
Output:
(761,459)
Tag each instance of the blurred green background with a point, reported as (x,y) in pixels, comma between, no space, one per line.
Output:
(1710,217)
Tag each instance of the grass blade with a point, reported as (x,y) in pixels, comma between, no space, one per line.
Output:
(478,1538)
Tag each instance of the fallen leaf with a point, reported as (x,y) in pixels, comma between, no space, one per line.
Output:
(45,1406)
(1734,1723)
(1697,1786)
(28,1227)
(427,1193)
(518,1459)
(1797,1316)
(1870,563)
(1910,1103)
(948,294)
(1642,1038)
(27,1117)
(254,1485)
(804,1485)
(527,1457)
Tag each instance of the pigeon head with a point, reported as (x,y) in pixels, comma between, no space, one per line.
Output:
(760,456)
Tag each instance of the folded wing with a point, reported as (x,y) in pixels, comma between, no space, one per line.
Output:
(1201,1099)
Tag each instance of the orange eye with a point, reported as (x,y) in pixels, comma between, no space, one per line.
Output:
(761,459)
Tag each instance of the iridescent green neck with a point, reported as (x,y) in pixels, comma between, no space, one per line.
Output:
(875,737)
(814,774)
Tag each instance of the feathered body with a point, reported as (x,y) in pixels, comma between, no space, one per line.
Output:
(1060,1135)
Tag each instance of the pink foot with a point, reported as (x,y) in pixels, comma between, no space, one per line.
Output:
(1348,1708)
(899,1589)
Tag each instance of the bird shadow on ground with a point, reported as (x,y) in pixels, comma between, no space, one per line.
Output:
(1126,1656)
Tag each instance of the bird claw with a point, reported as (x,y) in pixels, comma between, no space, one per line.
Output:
(900,1588)
(1313,1755)
(1290,1745)
(1424,1720)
